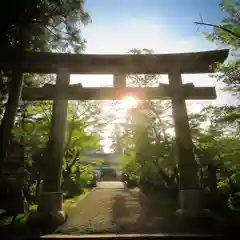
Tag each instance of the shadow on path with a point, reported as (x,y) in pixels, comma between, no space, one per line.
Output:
(125,211)
(134,212)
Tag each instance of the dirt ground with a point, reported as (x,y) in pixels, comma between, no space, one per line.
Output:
(111,208)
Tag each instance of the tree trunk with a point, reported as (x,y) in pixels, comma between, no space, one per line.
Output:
(212,178)
(10,113)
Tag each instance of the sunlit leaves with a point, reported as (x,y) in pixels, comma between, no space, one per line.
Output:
(230,71)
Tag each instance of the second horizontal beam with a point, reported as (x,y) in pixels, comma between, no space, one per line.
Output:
(73,92)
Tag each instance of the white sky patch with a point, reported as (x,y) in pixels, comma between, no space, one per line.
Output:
(121,37)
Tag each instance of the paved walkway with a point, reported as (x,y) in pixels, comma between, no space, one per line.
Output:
(112,208)
(110,185)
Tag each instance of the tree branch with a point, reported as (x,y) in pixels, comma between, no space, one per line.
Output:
(219,27)
(76,158)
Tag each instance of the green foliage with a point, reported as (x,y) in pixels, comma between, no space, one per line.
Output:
(150,151)
(51,26)
(224,186)
(231,186)
(226,119)
(129,165)
(146,141)
(77,137)
(46,25)
(235,178)
(231,22)
(33,132)
(230,71)
(86,175)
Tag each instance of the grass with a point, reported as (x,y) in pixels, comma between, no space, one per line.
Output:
(20,228)
(70,203)
(136,189)
(22,218)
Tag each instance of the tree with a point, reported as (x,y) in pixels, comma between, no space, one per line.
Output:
(226,118)
(34,26)
(37,26)
(33,133)
(149,144)
(78,138)
(213,135)
(46,26)
(227,33)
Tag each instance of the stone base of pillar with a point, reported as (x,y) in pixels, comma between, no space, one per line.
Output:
(50,202)
(50,211)
(51,219)
(191,204)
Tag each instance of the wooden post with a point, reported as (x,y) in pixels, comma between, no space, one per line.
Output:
(51,197)
(119,80)
(189,185)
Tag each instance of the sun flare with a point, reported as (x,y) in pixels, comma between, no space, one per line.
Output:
(129,102)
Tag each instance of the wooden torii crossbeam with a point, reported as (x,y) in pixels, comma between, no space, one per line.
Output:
(42,62)
(77,92)
(119,65)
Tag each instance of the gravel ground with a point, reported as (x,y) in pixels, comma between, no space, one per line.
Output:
(113,209)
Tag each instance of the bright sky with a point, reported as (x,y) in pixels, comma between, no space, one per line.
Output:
(166,26)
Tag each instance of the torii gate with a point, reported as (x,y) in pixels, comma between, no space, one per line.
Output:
(119,65)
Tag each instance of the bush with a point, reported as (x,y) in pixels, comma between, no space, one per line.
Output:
(74,183)
(231,187)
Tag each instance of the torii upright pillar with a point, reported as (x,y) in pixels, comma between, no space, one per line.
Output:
(190,200)
(50,201)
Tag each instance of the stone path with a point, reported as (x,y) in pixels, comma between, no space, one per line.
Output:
(111,208)
(110,185)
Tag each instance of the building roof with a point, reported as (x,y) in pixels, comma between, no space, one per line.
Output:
(109,158)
